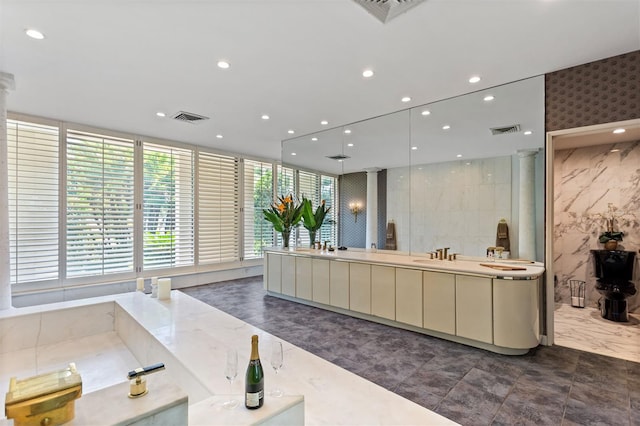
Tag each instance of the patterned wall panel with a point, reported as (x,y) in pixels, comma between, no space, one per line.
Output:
(597,92)
(353,187)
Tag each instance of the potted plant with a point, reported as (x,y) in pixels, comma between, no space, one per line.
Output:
(312,221)
(610,238)
(284,214)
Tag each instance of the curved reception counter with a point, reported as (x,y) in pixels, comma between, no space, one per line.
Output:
(490,305)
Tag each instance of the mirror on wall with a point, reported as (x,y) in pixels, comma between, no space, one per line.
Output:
(448,169)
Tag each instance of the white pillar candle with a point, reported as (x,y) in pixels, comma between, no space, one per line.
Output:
(140,284)
(154,286)
(164,288)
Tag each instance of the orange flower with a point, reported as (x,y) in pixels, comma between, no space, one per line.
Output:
(287,199)
(280,208)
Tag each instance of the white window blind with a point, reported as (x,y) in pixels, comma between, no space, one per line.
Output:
(218,208)
(286,181)
(168,207)
(100,204)
(328,193)
(33,165)
(258,195)
(308,187)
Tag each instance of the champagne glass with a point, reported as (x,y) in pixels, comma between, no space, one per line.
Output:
(276,362)
(230,372)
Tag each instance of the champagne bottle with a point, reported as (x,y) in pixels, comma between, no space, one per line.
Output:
(254,383)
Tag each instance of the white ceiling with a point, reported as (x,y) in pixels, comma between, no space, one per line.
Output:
(115,63)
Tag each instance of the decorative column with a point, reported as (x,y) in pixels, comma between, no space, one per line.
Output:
(526,205)
(6,83)
(372,206)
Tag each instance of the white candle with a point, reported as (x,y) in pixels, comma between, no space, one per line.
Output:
(575,301)
(140,284)
(164,288)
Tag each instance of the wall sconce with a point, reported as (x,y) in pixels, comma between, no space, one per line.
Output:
(355,207)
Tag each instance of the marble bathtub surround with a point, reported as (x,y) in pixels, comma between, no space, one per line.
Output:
(191,339)
(594,185)
(549,386)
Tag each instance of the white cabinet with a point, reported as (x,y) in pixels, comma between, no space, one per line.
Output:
(409,296)
(289,275)
(320,279)
(303,278)
(360,287)
(439,290)
(339,284)
(274,272)
(383,291)
(516,313)
(474,308)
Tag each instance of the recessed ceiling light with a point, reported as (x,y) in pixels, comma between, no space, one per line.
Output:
(324,122)
(618,131)
(223,64)
(459,156)
(314,139)
(347,131)
(406,99)
(265,117)
(349,144)
(474,79)
(426,112)
(414,148)
(367,73)
(219,136)
(446,127)
(489,98)
(161,114)
(468,163)
(615,150)
(528,132)
(290,131)
(34,34)
(293,153)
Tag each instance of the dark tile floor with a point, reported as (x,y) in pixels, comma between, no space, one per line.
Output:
(548,386)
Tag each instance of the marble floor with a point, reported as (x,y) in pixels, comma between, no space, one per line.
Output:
(548,386)
(585,329)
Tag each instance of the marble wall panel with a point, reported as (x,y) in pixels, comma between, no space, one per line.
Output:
(592,184)
(455,204)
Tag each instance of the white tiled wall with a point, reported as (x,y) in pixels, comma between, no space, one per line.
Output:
(456,204)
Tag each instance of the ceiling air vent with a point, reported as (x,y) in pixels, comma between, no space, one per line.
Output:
(338,157)
(189,117)
(515,128)
(385,10)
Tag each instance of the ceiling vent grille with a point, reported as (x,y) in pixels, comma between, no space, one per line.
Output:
(515,128)
(189,117)
(385,10)
(338,157)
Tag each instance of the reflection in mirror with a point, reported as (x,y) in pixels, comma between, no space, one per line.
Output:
(437,186)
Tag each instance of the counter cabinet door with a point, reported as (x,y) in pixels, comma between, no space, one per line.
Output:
(383,291)
(409,296)
(339,284)
(320,279)
(439,291)
(274,273)
(360,287)
(303,278)
(516,313)
(474,308)
(289,275)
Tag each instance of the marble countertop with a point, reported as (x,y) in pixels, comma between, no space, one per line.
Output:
(462,265)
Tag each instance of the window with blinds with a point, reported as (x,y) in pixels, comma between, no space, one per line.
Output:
(258,195)
(33,165)
(100,204)
(218,208)
(168,206)
(328,193)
